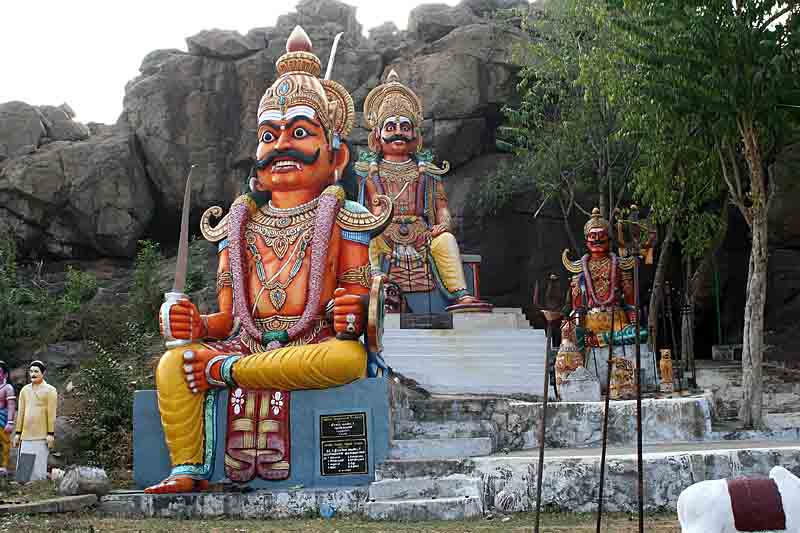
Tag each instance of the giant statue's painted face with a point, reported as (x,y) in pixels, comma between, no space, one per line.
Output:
(597,240)
(294,153)
(398,137)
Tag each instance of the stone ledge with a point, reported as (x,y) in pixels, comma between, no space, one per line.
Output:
(53,505)
(259,504)
(571,483)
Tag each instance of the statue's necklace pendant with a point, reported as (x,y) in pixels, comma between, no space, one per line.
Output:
(277,297)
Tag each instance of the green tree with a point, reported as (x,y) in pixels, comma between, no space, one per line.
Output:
(565,133)
(730,72)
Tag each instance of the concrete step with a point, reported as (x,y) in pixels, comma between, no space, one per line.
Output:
(455,486)
(425,509)
(461,368)
(514,424)
(440,448)
(511,319)
(412,429)
(414,468)
(452,410)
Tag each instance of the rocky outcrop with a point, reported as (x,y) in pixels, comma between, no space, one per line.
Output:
(430,22)
(221,44)
(21,130)
(71,199)
(199,107)
(23,127)
(59,126)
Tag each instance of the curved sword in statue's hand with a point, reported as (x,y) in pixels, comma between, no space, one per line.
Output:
(329,70)
(181,264)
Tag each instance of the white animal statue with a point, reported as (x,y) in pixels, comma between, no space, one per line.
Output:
(706,507)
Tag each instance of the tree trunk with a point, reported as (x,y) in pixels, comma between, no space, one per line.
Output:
(753,337)
(657,292)
(567,228)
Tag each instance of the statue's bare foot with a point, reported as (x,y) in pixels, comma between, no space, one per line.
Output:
(469,303)
(194,369)
(178,484)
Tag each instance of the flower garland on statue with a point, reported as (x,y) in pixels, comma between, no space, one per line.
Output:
(330,202)
(590,286)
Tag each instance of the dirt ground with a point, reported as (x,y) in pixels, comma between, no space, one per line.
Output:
(517,523)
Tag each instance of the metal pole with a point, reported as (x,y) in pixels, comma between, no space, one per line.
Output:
(639,458)
(605,420)
(550,316)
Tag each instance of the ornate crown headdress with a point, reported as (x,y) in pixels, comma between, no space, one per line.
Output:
(596,221)
(391,99)
(298,84)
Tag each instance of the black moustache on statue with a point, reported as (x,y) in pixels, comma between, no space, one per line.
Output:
(393,138)
(307,159)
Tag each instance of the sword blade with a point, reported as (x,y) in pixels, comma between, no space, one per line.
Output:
(182,262)
(329,70)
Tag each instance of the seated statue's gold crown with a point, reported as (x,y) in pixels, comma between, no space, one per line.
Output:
(298,83)
(596,221)
(391,99)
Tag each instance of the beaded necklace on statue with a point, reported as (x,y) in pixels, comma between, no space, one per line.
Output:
(595,270)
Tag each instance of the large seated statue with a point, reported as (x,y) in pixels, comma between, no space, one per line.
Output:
(602,307)
(417,251)
(292,283)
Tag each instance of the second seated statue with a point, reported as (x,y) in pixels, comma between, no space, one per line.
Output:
(417,251)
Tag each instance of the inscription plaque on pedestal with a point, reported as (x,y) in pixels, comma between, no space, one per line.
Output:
(343,444)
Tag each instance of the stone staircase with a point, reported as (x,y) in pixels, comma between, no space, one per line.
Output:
(485,353)
(454,497)
(444,428)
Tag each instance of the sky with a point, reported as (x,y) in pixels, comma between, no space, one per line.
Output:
(82,52)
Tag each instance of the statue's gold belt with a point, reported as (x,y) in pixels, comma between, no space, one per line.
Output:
(405,230)
(283,323)
(405,219)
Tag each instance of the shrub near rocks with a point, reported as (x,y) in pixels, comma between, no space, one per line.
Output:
(105,390)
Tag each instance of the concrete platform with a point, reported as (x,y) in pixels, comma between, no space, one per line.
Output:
(485,353)
(514,424)
(259,504)
(151,461)
(571,476)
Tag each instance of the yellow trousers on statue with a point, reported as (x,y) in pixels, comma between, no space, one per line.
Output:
(313,366)
(445,253)
(5,448)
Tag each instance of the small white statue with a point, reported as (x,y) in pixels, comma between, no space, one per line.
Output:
(36,419)
(708,507)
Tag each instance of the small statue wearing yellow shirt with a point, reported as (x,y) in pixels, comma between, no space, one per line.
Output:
(36,419)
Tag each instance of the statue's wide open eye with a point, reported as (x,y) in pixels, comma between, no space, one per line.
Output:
(300,133)
(267,136)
